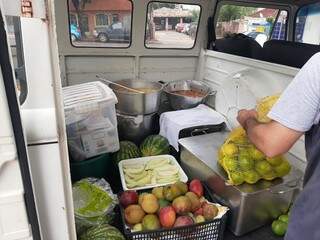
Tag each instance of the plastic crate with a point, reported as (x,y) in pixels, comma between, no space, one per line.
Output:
(209,230)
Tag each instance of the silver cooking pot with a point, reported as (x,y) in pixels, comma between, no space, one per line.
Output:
(137,128)
(178,101)
(133,103)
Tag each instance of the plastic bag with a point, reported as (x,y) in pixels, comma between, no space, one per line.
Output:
(243,162)
(94,203)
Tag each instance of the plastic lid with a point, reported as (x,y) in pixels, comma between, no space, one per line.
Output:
(87,93)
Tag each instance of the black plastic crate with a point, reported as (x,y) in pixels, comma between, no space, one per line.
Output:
(209,230)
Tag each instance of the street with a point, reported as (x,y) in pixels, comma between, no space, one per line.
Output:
(171,39)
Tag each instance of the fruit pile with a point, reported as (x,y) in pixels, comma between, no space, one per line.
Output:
(156,171)
(280,225)
(243,162)
(167,207)
(152,146)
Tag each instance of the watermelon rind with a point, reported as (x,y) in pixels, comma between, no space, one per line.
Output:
(127,150)
(155,145)
(102,232)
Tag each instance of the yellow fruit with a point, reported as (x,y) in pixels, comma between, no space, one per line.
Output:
(150,203)
(263,167)
(283,169)
(264,106)
(229,149)
(158,192)
(141,197)
(251,177)
(237,135)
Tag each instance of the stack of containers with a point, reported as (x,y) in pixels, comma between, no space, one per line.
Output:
(91,125)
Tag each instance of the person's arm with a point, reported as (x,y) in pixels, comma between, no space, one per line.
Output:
(271,138)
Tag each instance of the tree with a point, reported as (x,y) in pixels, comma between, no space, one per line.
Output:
(157,5)
(195,15)
(232,12)
(80,5)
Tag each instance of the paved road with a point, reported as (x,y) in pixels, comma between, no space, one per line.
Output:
(171,39)
(100,44)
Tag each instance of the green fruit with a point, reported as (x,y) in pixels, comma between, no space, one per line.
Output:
(279,228)
(236,178)
(150,222)
(251,176)
(283,169)
(284,218)
(102,232)
(275,161)
(127,150)
(154,145)
(163,203)
(245,162)
(183,187)
(263,167)
(255,153)
(230,163)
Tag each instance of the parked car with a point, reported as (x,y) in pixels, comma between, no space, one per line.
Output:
(75,32)
(260,37)
(186,28)
(179,27)
(114,32)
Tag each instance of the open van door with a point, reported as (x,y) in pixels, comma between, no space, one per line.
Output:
(18,213)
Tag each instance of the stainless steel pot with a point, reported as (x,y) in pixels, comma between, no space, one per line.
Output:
(132,103)
(137,128)
(178,102)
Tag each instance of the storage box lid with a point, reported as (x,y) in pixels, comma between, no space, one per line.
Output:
(87,93)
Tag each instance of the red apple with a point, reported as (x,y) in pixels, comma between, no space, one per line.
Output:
(196,187)
(198,212)
(167,216)
(129,197)
(183,221)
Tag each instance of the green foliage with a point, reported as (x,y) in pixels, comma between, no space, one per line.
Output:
(195,15)
(270,20)
(233,12)
(156,5)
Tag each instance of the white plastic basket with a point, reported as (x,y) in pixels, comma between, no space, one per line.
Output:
(144,160)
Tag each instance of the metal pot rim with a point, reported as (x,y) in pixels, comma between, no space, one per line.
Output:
(142,81)
(209,92)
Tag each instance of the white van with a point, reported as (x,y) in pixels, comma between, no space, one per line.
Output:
(49,44)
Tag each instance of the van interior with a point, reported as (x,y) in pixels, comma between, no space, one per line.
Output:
(65,52)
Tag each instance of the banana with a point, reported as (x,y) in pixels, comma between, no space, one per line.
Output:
(132,166)
(142,182)
(134,170)
(136,177)
(167,170)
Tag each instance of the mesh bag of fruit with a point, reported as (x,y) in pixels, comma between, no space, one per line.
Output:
(243,162)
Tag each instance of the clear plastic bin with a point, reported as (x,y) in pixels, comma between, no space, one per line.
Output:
(91,120)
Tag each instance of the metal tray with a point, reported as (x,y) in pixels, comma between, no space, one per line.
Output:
(252,206)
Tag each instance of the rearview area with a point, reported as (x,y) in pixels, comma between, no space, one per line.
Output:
(100,23)
(171,25)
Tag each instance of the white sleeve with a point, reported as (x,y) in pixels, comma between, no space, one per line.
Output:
(298,106)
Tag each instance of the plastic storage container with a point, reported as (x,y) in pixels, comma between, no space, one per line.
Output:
(91,120)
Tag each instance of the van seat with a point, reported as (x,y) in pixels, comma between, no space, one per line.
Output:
(239,44)
(292,54)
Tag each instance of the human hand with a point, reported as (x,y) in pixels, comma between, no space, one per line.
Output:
(244,115)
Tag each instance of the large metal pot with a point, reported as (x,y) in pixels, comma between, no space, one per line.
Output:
(132,103)
(178,101)
(137,128)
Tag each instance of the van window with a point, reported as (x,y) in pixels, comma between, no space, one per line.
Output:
(307,24)
(253,22)
(172,25)
(100,23)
